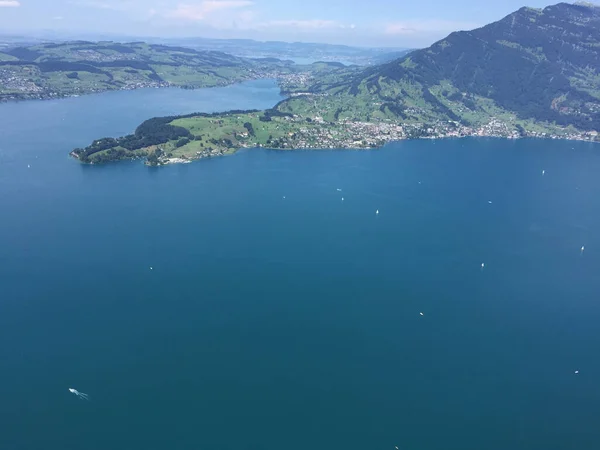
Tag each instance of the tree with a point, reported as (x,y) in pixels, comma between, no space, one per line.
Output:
(248,126)
(181,142)
(153,158)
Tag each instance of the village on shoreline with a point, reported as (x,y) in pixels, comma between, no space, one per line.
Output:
(358,135)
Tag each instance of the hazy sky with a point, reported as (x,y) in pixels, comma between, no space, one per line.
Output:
(398,23)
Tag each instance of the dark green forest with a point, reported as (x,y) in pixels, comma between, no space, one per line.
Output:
(155,131)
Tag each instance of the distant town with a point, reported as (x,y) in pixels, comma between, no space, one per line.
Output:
(25,88)
(49,71)
(356,134)
(349,134)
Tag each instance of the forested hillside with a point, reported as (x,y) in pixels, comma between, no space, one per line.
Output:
(541,64)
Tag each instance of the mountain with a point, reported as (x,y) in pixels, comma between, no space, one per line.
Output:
(293,50)
(535,72)
(247,48)
(540,64)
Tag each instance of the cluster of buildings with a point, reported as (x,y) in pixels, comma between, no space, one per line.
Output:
(299,133)
(289,81)
(499,128)
(207,152)
(95,56)
(15,80)
(344,134)
(22,82)
(321,134)
(441,129)
(356,134)
(26,82)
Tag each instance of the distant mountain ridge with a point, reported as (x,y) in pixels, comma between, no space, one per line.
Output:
(291,50)
(248,48)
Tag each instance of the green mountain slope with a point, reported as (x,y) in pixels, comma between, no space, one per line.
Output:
(53,70)
(541,65)
(533,73)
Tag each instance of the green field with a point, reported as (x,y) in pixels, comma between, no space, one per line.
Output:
(76,68)
(478,83)
(218,134)
(228,132)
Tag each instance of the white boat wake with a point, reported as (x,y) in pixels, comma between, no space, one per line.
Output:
(80,395)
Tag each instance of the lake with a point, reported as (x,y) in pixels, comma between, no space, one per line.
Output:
(257,301)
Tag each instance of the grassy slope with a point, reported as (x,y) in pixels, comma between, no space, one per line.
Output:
(539,64)
(107,66)
(5,57)
(533,72)
(222,134)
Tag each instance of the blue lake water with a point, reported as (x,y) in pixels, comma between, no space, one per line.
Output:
(269,322)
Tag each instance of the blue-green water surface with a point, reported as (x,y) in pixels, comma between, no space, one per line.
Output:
(277,315)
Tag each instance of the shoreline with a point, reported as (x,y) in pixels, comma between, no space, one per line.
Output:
(580,137)
(164,85)
(178,160)
(205,137)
